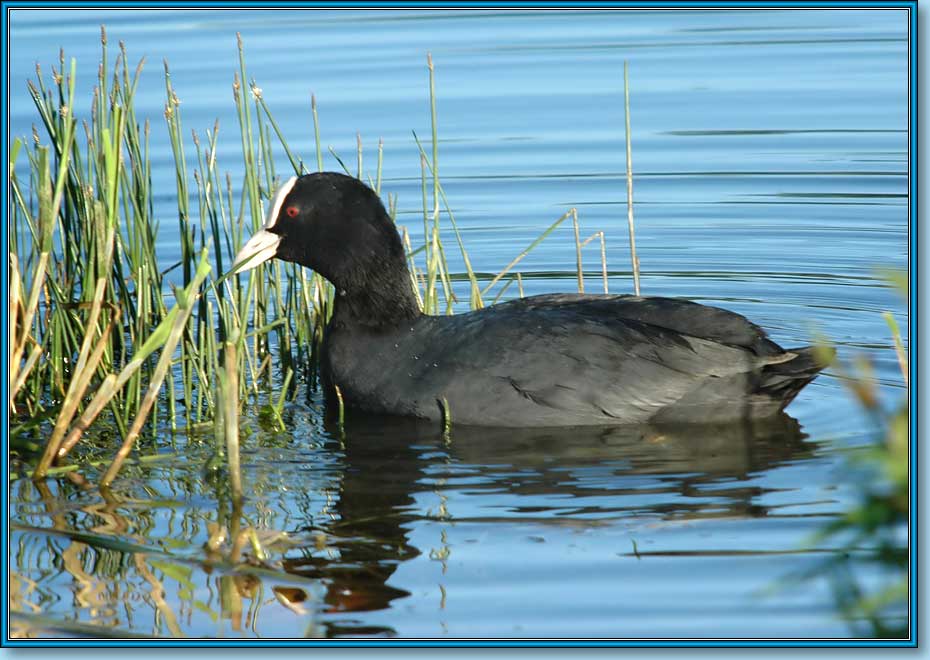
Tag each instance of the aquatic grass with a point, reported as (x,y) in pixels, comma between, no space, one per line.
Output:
(84,369)
(341,407)
(316,133)
(104,254)
(42,231)
(377,185)
(539,239)
(185,306)
(578,250)
(603,241)
(70,468)
(580,245)
(446,416)
(629,176)
(228,412)
(898,344)
(438,259)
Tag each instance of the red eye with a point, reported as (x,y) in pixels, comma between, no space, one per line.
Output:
(291,211)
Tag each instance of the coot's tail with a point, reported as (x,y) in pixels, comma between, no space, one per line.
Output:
(782,381)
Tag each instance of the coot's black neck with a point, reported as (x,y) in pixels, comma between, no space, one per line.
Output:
(365,260)
(384,301)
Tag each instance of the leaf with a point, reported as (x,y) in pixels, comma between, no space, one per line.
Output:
(14,153)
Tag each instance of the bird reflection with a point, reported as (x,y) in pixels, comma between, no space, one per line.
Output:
(695,471)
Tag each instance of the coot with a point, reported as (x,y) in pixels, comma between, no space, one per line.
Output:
(547,360)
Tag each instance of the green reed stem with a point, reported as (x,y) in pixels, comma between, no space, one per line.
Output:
(316,134)
(527,250)
(579,268)
(185,305)
(629,176)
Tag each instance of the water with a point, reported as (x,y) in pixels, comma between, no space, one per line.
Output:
(770,152)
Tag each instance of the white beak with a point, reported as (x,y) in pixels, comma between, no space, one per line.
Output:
(260,248)
(264,244)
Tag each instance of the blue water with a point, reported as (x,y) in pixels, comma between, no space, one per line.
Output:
(770,161)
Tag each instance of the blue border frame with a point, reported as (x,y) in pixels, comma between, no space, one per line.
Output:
(912,642)
(477,4)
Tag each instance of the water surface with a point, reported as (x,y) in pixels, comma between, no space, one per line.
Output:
(770,160)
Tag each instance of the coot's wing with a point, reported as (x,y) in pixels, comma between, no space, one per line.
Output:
(681,316)
(536,365)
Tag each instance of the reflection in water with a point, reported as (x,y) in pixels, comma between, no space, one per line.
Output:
(691,471)
(132,561)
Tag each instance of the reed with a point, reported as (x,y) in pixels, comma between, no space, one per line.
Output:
(551,228)
(228,385)
(446,416)
(629,176)
(342,408)
(603,241)
(898,345)
(185,306)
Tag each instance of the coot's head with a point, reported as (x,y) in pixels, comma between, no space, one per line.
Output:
(337,226)
(329,222)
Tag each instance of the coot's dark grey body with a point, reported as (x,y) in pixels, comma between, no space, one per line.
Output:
(551,360)
(557,360)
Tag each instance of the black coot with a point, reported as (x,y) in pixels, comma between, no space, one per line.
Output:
(549,360)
